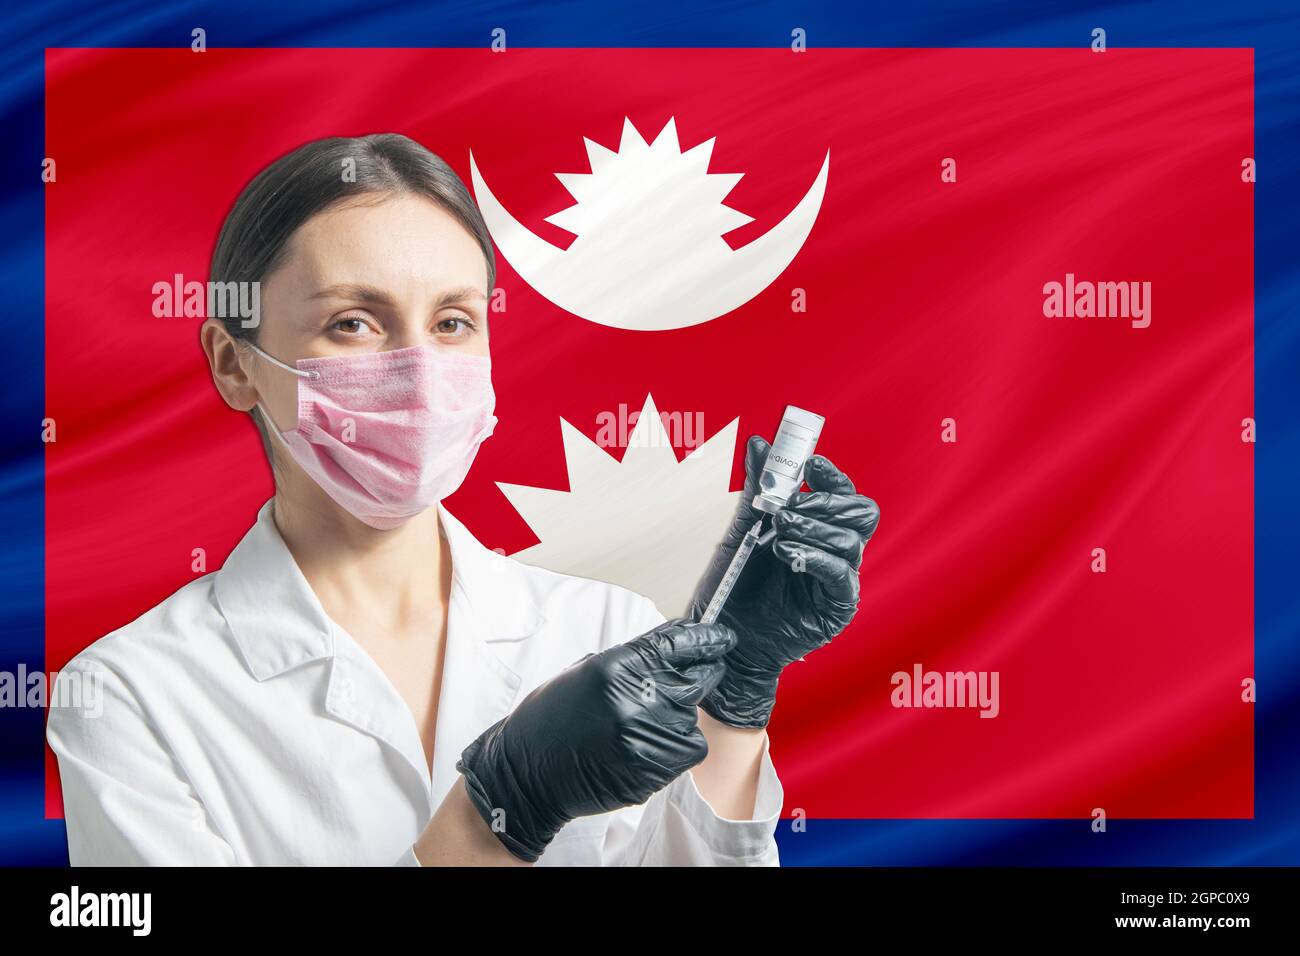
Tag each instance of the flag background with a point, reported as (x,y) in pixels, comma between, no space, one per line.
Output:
(1084,421)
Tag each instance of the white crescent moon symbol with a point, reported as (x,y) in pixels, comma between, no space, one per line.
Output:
(667,276)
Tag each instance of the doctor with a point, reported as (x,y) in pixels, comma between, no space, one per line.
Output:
(363,682)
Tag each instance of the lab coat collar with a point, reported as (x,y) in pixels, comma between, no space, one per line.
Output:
(278,622)
(492,584)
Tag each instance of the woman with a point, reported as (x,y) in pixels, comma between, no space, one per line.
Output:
(363,682)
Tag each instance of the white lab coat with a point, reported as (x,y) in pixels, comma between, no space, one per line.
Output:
(241,726)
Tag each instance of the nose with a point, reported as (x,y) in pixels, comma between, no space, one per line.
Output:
(409,333)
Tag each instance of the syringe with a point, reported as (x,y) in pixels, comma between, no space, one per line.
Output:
(780,479)
(748,544)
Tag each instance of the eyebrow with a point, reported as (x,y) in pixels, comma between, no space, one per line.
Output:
(373,294)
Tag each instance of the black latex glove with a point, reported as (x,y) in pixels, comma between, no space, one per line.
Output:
(795,594)
(606,732)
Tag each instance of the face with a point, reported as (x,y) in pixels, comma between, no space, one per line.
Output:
(369,277)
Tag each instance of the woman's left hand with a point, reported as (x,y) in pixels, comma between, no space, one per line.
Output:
(795,595)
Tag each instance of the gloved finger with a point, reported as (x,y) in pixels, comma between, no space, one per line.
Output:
(691,747)
(756,450)
(682,645)
(699,746)
(831,538)
(822,475)
(701,679)
(755,455)
(745,516)
(856,512)
(688,678)
(838,578)
(580,660)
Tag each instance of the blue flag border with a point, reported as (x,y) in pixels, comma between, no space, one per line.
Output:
(1272,29)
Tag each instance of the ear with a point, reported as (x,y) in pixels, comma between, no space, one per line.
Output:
(225,357)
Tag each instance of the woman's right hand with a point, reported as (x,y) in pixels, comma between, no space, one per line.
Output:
(607,732)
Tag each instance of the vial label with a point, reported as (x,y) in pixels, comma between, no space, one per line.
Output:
(789,451)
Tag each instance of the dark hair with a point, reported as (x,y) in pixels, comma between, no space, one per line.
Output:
(311,179)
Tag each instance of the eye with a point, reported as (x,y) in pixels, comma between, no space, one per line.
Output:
(350,325)
(455,325)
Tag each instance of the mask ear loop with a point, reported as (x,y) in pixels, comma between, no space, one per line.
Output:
(310,373)
(270,425)
(266,416)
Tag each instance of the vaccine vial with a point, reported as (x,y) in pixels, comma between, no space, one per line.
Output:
(783,471)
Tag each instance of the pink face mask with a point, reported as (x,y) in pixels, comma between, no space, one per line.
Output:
(388,434)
